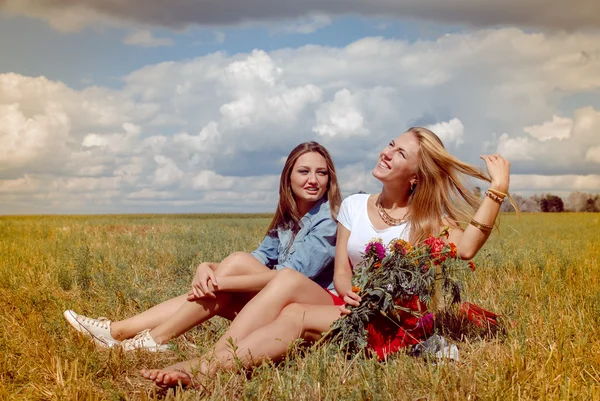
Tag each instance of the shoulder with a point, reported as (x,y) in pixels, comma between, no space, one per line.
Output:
(320,214)
(320,211)
(356,198)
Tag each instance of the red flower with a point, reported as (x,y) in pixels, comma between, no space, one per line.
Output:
(436,245)
(471,265)
(453,251)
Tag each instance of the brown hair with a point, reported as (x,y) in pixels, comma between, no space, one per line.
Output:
(287,215)
(440,192)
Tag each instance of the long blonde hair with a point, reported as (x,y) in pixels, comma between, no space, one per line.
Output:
(287,215)
(440,191)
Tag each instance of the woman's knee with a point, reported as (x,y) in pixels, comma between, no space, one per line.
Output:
(234,263)
(293,311)
(287,276)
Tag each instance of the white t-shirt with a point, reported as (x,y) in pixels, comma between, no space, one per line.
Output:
(353,215)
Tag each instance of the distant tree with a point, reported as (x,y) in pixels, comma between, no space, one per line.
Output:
(583,202)
(524,204)
(591,204)
(551,203)
(576,201)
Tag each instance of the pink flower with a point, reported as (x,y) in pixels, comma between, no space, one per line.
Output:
(375,248)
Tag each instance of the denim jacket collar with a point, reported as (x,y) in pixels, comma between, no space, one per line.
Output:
(315,209)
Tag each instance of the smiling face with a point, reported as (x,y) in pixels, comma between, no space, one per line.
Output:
(398,162)
(309,179)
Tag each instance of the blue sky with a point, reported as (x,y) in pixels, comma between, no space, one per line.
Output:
(99,56)
(180,108)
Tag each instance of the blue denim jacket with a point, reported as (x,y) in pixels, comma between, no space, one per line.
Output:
(312,251)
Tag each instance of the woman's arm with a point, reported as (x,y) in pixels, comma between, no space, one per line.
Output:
(239,272)
(247,282)
(470,241)
(342,273)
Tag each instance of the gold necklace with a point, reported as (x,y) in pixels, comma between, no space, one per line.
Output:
(387,219)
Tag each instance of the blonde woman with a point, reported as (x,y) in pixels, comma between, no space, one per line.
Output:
(422,192)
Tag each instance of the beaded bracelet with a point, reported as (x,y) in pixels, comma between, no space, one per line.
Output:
(495,191)
(494,197)
(483,227)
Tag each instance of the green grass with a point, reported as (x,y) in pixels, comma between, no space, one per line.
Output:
(541,272)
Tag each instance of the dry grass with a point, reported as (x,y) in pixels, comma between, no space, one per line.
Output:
(541,273)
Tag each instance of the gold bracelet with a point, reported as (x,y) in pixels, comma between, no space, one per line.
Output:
(496,192)
(483,227)
(494,197)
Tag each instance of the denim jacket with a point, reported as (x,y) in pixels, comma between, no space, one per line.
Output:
(312,251)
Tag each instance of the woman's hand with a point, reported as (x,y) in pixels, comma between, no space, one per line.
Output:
(499,171)
(204,283)
(351,298)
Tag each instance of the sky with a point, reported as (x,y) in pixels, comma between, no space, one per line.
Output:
(186,106)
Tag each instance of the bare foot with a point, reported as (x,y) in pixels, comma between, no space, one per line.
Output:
(174,375)
(171,378)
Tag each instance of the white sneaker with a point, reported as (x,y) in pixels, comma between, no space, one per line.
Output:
(97,329)
(143,340)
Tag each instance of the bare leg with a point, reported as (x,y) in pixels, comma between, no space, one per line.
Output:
(174,317)
(286,288)
(268,342)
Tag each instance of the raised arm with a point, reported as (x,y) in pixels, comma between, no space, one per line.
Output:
(470,241)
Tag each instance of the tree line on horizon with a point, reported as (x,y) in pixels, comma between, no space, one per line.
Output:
(575,202)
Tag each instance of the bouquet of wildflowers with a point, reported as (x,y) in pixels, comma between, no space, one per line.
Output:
(400,285)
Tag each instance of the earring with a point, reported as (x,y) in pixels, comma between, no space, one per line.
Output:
(412,187)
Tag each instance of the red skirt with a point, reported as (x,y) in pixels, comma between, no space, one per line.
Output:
(386,338)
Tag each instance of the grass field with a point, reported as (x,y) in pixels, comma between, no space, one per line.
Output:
(541,272)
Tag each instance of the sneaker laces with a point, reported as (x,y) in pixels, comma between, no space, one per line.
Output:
(101,322)
(140,338)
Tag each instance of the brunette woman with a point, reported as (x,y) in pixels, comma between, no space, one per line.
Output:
(301,237)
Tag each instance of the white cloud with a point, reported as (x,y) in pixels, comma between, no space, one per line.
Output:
(26,139)
(145,38)
(209,180)
(340,117)
(548,183)
(593,154)
(562,143)
(516,149)
(119,143)
(559,128)
(203,133)
(167,174)
(451,131)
